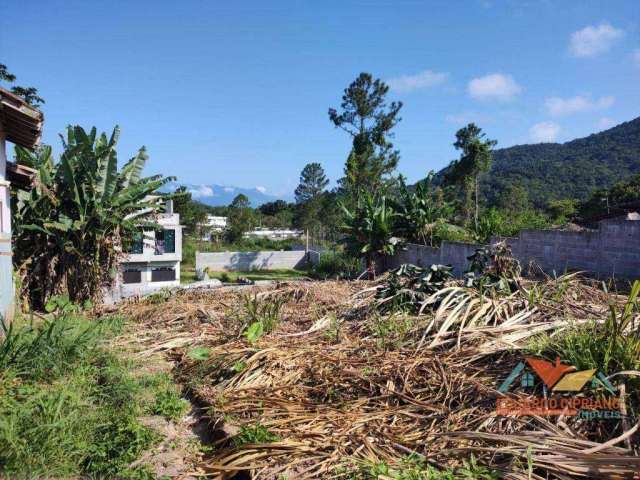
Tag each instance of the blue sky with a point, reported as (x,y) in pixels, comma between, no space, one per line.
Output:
(237,93)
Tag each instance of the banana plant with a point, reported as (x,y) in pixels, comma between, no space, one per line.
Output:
(423,213)
(369,230)
(70,228)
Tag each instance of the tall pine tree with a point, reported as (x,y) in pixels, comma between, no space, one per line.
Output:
(368,119)
(475,158)
(309,196)
(313,181)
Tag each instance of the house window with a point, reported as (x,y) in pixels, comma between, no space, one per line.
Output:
(527,380)
(132,276)
(165,242)
(163,274)
(136,244)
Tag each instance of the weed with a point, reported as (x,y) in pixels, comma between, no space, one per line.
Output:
(139,472)
(414,467)
(610,347)
(160,297)
(408,286)
(266,311)
(239,366)
(333,332)
(493,268)
(116,445)
(170,405)
(390,331)
(198,353)
(262,317)
(62,304)
(255,433)
(254,332)
(45,350)
(68,406)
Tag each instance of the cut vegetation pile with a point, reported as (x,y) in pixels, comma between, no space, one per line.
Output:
(366,380)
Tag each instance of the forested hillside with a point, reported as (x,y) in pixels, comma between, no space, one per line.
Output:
(550,171)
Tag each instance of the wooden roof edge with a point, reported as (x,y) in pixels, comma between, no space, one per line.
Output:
(22,123)
(21,175)
(20,103)
(23,114)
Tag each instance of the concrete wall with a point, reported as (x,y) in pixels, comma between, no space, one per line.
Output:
(450,253)
(245,261)
(611,251)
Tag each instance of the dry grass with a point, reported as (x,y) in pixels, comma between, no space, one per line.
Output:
(337,385)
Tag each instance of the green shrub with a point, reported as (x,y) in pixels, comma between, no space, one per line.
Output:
(170,405)
(116,445)
(508,224)
(408,287)
(336,264)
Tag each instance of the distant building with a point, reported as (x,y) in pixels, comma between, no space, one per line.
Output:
(20,124)
(153,260)
(274,233)
(213,225)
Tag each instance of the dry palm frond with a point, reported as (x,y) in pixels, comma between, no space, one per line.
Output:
(555,454)
(333,403)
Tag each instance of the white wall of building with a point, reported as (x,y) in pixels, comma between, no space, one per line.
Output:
(152,258)
(274,233)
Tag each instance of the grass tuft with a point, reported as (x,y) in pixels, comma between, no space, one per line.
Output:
(256,433)
(68,404)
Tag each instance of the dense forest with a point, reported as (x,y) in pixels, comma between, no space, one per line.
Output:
(552,171)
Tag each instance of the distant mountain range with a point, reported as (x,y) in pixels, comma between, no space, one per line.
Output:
(550,171)
(221,195)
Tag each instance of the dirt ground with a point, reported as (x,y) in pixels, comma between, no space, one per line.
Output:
(336,387)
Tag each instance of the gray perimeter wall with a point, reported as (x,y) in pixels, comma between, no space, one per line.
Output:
(245,261)
(611,251)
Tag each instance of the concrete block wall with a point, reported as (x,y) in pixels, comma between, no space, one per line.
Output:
(611,251)
(449,253)
(245,261)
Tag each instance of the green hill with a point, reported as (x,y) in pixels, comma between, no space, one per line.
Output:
(550,171)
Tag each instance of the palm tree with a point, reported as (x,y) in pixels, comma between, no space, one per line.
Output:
(70,228)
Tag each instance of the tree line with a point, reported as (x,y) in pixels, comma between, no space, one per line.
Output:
(73,227)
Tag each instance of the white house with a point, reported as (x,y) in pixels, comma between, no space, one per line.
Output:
(274,233)
(213,224)
(20,124)
(153,260)
(216,223)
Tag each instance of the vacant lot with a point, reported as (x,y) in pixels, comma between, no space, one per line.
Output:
(362,380)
